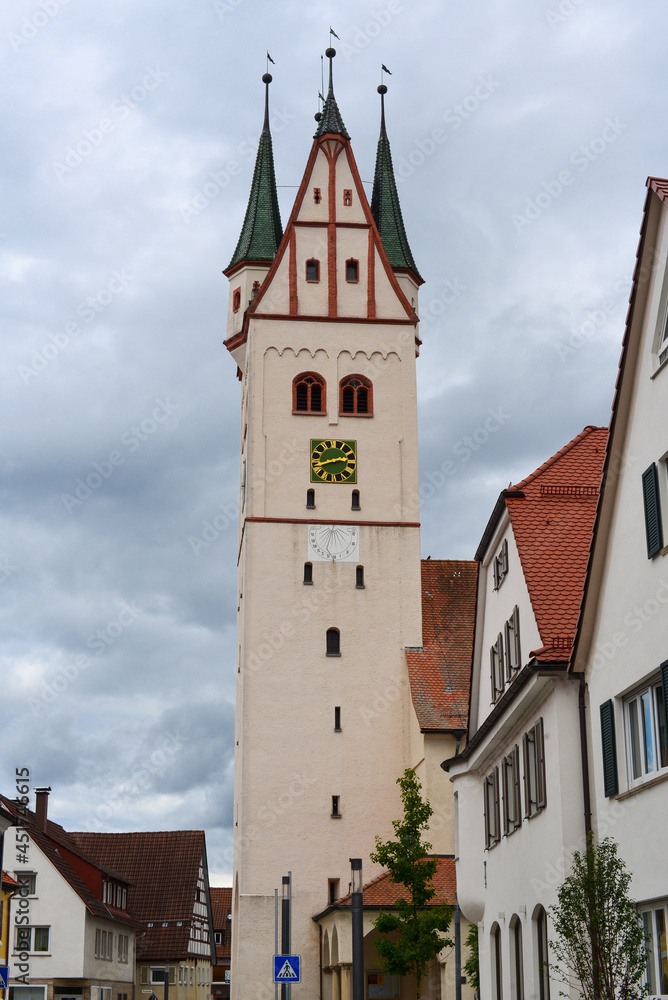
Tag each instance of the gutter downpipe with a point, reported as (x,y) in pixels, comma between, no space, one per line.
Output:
(584,757)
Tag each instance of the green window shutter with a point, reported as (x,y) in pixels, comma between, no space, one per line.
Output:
(610,783)
(664,688)
(650,495)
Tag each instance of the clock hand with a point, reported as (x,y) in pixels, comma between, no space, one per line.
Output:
(328,461)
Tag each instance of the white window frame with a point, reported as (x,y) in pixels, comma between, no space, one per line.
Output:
(644,733)
(656,973)
(23,933)
(513,654)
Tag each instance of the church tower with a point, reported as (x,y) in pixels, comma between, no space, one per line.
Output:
(322,324)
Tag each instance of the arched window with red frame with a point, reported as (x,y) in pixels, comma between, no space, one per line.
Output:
(355,396)
(308,393)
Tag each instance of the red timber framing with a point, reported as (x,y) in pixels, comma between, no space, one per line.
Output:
(332,147)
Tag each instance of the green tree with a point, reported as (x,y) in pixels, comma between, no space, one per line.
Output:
(472,963)
(601,941)
(416,926)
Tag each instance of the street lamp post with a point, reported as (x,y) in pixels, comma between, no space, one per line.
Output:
(285,930)
(358,928)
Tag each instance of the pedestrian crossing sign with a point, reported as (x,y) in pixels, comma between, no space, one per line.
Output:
(287,968)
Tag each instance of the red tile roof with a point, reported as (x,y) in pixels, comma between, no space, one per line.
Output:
(163,869)
(82,873)
(221,906)
(382,892)
(8,881)
(440,672)
(552,524)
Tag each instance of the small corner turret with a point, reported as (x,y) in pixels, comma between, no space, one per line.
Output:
(261,232)
(386,212)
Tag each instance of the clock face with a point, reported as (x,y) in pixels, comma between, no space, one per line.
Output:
(338,542)
(333,461)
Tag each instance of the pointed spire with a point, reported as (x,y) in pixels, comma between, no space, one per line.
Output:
(330,119)
(385,206)
(262,231)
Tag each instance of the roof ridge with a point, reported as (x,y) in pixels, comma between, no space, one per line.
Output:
(584,433)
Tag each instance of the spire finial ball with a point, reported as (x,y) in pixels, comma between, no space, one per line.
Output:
(382,89)
(318,116)
(267,78)
(330,53)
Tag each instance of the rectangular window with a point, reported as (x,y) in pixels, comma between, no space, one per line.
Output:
(491,803)
(496,668)
(98,936)
(337,718)
(27,879)
(501,565)
(645,722)
(512,803)
(335,805)
(157,975)
(512,644)
(122,947)
(110,946)
(533,746)
(32,939)
(656,972)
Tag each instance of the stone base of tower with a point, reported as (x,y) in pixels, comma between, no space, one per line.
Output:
(253,949)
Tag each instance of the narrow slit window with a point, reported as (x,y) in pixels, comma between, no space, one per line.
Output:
(333,642)
(310,499)
(352,270)
(356,500)
(347,197)
(333,889)
(317,197)
(335,805)
(359,577)
(308,573)
(337,719)
(236,300)
(313,270)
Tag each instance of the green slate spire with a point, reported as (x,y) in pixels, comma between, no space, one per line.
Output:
(385,206)
(330,119)
(262,231)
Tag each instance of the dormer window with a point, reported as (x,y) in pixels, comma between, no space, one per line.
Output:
(352,270)
(347,197)
(236,299)
(355,396)
(313,269)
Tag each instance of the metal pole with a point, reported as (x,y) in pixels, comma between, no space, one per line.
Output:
(458,953)
(357,928)
(285,928)
(167,982)
(276,952)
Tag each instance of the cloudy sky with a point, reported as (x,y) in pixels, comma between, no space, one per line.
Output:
(522,133)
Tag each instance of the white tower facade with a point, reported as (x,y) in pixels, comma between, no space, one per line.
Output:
(322,324)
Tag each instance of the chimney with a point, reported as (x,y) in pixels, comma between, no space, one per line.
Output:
(41,807)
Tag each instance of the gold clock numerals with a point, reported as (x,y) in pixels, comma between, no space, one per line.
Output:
(333,461)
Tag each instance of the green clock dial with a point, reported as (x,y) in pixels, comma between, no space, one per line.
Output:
(333,461)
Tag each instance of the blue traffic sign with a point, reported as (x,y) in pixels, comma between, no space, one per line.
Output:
(4,976)
(287,968)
